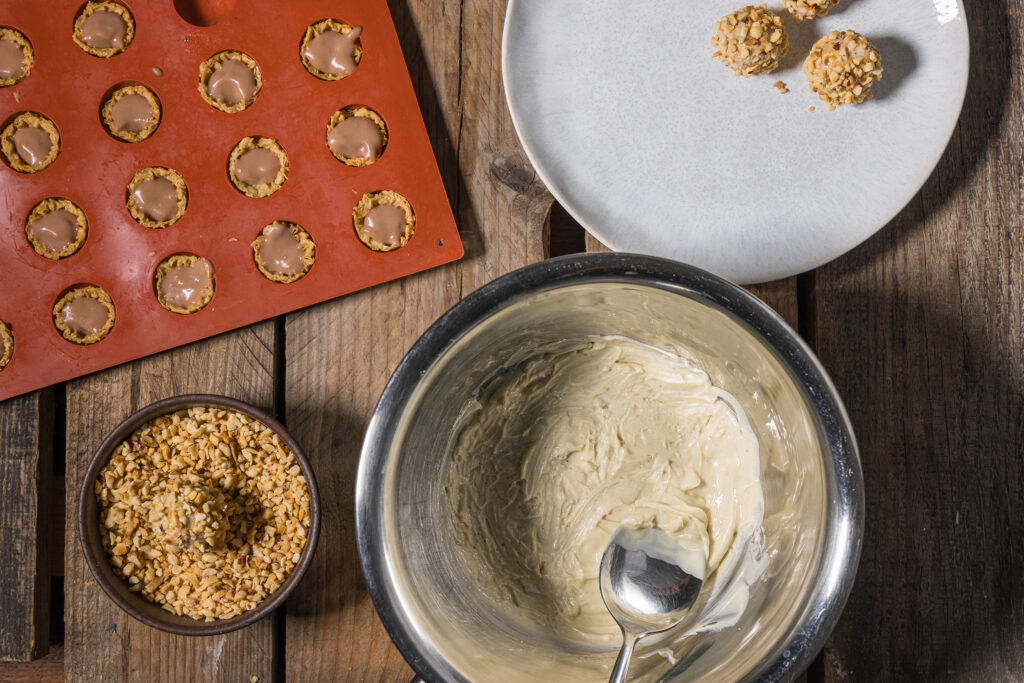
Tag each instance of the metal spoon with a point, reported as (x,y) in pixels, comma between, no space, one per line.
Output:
(649,582)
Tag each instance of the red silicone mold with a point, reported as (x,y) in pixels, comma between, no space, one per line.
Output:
(93,170)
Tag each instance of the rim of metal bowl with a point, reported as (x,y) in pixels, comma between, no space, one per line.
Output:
(844,524)
(116,588)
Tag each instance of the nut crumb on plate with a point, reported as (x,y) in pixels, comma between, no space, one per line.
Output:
(781,87)
(751,40)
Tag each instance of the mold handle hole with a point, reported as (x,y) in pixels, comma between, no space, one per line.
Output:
(204,12)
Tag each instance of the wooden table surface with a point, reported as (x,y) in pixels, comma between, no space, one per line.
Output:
(922,329)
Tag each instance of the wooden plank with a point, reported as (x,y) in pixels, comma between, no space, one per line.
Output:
(923,332)
(563,234)
(594,244)
(49,669)
(55,537)
(26,425)
(782,296)
(340,354)
(101,642)
(503,205)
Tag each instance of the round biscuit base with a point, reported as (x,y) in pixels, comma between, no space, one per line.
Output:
(265,189)
(178,261)
(55,204)
(364,112)
(94,292)
(28,55)
(206,70)
(373,199)
(28,119)
(125,135)
(316,29)
(308,254)
(116,8)
(149,174)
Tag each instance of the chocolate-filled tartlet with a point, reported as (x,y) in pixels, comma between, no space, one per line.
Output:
(356,136)
(104,29)
(258,166)
(16,56)
(157,197)
(6,344)
(56,228)
(84,315)
(384,220)
(331,49)
(283,252)
(131,113)
(30,142)
(230,81)
(184,283)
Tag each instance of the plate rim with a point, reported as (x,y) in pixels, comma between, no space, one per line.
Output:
(913,188)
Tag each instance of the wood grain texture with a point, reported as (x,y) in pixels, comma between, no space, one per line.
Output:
(48,669)
(340,354)
(922,329)
(594,244)
(782,296)
(923,332)
(563,235)
(101,642)
(26,425)
(54,536)
(503,205)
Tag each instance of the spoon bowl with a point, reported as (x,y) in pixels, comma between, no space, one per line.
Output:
(649,582)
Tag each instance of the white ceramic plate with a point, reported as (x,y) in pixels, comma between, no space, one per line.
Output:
(657,148)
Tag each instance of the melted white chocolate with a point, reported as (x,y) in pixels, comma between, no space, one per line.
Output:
(581,438)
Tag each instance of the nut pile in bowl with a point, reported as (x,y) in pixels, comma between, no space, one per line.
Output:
(203,511)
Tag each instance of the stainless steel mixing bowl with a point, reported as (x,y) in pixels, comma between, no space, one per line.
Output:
(811,474)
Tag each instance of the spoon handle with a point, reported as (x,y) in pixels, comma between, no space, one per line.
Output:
(622,662)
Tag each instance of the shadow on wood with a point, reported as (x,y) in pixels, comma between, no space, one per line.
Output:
(922,331)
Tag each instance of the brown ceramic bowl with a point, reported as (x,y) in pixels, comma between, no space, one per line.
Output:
(134,604)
